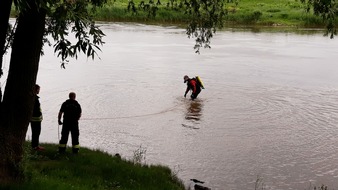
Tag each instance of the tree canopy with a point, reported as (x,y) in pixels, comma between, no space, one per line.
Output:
(328,10)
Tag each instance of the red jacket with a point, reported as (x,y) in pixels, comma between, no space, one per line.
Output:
(191,85)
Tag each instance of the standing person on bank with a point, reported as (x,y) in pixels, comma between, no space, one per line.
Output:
(71,111)
(36,121)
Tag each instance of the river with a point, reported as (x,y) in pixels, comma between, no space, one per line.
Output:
(269,109)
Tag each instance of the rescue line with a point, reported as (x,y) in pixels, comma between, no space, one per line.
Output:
(135,116)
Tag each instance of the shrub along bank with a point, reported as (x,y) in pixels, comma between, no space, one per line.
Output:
(289,13)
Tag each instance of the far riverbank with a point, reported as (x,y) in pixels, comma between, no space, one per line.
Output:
(278,14)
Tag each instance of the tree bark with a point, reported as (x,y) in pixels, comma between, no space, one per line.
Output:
(5,9)
(17,104)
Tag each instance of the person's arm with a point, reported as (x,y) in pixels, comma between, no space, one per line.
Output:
(80,114)
(59,118)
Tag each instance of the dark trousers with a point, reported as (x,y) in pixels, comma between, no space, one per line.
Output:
(73,129)
(36,130)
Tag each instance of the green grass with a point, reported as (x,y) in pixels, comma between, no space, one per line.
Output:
(289,13)
(118,11)
(272,13)
(91,169)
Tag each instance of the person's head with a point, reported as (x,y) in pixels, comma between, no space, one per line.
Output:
(72,95)
(185,78)
(37,89)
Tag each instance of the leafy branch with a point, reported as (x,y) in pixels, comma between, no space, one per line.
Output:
(73,17)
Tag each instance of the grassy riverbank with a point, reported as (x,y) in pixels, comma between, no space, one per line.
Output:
(240,13)
(90,169)
(290,13)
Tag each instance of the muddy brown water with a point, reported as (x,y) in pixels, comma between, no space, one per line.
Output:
(269,109)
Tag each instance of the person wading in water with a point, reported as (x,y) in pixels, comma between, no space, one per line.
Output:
(192,84)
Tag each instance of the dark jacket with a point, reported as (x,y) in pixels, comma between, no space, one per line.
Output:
(71,110)
(37,114)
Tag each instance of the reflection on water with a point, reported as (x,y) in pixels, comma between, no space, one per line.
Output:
(259,29)
(193,113)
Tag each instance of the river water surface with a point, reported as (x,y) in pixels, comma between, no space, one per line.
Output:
(269,109)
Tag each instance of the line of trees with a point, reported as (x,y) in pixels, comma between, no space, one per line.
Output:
(59,19)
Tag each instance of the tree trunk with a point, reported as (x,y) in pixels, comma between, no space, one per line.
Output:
(17,104)
(5,9)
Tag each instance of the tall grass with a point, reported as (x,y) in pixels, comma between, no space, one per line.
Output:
(91,169)
(273,13)
(240,12)
(118,11)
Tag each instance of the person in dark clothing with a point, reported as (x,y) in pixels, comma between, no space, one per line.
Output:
(36,120)
(193,85)
(71,111)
